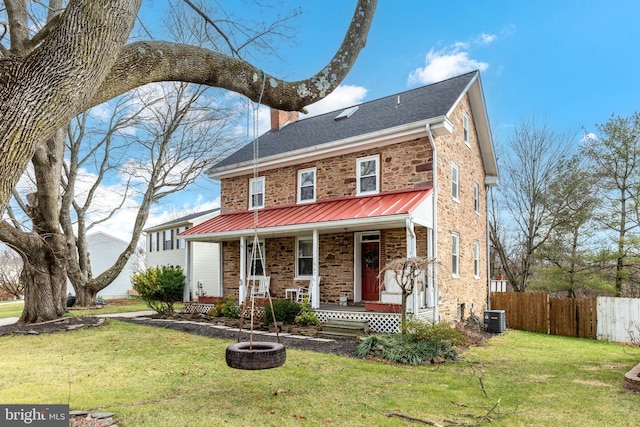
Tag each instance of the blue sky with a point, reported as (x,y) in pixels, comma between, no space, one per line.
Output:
(570,63)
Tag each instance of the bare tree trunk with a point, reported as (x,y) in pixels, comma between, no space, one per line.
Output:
(44,279)
(86,296)
(44,274)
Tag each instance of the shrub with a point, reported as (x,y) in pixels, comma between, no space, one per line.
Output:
(284,310)
(306,316)
(228,308)
(434,332)
(422,343)
(160,287)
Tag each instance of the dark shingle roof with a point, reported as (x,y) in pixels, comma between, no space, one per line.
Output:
(415,105)
(185,218)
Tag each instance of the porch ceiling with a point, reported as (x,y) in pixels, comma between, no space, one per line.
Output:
(384,210)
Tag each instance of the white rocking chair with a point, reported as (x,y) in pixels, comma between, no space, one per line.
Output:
(305,292)
(263,288)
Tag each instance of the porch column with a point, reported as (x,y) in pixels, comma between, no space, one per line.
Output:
(242,290)
(186,295)
(315,283)
(411,239)
(412,252)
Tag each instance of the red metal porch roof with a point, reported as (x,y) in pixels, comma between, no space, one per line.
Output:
(326,210)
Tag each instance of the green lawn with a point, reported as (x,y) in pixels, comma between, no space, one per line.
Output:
(14,309)
(156,377)
(11,309)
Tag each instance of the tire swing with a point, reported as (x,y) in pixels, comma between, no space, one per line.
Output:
(250,355)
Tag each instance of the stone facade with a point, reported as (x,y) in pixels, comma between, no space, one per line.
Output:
(403,165)
(463,292)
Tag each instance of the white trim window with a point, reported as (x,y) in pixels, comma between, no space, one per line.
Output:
(476,259)
(255,267)
(476,198)
(256,193)
(153,242)
(455,254)
(307,185)
(465,129)
(368,175)
(304,257)
(168,240)
(455,182)
(180,242)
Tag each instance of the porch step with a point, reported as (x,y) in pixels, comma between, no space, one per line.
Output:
(342,327)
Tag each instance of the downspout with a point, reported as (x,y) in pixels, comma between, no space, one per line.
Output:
(488,240)
(434,252)
(186,295)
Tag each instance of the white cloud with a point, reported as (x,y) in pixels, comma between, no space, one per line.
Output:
(101,112)
(589,138)
(443,64)
(484,39)
(343,96)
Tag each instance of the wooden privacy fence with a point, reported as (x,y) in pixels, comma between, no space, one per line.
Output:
(537,312)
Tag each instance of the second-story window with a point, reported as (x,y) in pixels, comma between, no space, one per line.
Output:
(256,193)
(368,172)
(153,242)
(455,182)
(168,240)
(476,197)
(307,185)
(180,242)
(465,129)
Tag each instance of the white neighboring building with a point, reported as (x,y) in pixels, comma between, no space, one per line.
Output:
(104,250)
(164,247)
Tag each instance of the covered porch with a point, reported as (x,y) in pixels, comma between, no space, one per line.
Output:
(336,248)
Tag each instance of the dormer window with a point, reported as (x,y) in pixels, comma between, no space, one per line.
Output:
(256,193)
(307,185)
(368,172)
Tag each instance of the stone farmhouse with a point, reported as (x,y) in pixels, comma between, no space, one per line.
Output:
(330,199)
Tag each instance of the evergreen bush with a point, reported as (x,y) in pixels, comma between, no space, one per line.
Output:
(160,287)
(284,310)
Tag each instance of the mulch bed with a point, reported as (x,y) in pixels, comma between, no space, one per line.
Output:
(57,325)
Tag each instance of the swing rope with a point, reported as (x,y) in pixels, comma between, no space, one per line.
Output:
(256,250)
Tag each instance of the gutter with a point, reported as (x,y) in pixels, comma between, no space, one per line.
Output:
(434,251)
(440,124)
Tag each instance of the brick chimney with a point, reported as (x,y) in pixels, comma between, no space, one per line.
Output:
(280,118)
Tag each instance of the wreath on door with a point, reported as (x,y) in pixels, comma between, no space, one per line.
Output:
(372,259)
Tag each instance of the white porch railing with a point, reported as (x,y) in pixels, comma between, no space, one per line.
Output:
(498,285)
(387,323)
